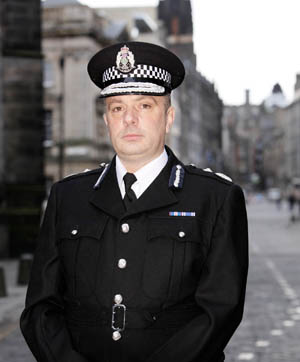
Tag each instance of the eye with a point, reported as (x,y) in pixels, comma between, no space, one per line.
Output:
(146,106)
(116,109)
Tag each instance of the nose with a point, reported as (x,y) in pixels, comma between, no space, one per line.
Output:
(130,116)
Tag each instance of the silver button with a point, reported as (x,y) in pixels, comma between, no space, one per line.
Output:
(122,263)
(74,232)
(125,228)
(116,335)
(181,234)
(118,299)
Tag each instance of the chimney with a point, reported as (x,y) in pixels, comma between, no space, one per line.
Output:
(297,88)
(247,98)
(297,84)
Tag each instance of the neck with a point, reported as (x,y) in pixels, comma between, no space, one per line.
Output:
(134,164)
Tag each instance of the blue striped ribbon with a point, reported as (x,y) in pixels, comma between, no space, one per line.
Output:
(182,213)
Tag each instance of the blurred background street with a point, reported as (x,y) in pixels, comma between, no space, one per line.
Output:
(237,112)
(271,326)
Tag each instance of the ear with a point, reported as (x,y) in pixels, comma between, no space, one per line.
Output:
(170,118)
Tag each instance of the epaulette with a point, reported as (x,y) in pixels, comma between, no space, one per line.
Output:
(207,172)
(86,172)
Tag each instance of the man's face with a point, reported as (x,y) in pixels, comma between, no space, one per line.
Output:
(137,126)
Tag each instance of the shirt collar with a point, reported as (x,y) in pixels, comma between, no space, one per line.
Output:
(145,175)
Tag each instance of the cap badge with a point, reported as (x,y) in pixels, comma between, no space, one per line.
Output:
(125,60)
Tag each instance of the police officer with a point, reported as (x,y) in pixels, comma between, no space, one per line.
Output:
(143,259)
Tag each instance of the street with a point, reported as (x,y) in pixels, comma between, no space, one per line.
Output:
(270,330)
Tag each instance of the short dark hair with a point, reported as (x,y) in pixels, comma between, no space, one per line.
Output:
(168,101)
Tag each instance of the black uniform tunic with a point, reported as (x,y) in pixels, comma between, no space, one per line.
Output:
(182,278)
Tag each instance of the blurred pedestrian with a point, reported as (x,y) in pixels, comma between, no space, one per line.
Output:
(144,259)
(292,201)
(279,199)
(297,201)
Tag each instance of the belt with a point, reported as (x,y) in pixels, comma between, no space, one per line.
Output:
(121,317)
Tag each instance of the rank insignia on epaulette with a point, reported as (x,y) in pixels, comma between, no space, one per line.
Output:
(176,177)
(225,177)
(222,175)
(103,173)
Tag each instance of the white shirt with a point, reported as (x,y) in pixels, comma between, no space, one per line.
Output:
(145,175)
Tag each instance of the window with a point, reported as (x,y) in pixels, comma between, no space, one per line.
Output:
(48,128)
(48,74)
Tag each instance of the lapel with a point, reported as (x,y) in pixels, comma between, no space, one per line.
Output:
(108,197)
(158,193)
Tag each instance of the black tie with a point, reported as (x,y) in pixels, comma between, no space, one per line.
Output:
(129,180)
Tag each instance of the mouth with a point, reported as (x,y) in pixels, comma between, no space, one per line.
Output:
(132,136)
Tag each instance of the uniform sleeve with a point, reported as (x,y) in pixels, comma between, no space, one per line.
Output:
(221,290)
(42,321)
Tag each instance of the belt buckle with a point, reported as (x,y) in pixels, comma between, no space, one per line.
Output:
(115,307)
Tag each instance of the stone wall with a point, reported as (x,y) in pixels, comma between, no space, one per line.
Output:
(196,135)
(79,139)
(3,228)
(241,134)
(1,118)
(292,145)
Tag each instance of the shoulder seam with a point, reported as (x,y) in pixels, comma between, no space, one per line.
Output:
(81,174)
(210,174)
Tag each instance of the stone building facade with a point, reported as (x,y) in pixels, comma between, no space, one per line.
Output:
(291,144)
(76,138)
(281,134)
(141,22)
(274,150)
(241,140)
(273,127)
(196,135)
(261,143)
(3,226)
(1,97)
(21,126)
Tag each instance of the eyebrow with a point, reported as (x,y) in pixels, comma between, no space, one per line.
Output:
(146,96)
(115,100)
(119,100)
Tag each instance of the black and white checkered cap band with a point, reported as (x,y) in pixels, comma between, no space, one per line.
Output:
(141,71)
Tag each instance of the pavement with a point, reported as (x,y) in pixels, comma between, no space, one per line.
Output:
(270,330)
(12,345)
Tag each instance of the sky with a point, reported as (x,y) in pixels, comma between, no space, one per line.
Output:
(242,44)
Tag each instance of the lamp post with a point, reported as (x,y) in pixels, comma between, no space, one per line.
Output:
(61,143)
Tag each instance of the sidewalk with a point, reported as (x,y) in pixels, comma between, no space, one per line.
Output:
(13,347)
(12,305)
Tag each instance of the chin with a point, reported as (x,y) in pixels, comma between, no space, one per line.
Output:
(132,147)
(132,151)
